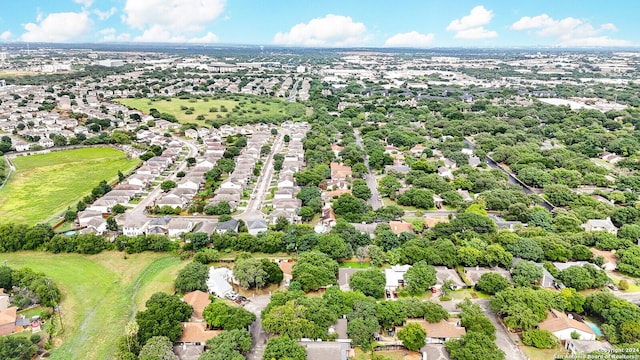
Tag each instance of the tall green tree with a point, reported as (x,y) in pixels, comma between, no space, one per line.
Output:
(157,348)
(413,336)
(281,348)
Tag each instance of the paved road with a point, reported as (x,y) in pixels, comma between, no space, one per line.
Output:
(503,340)
(261,189)
(294,92)
(376,200)
(632,297)
(259,336)
(137,214)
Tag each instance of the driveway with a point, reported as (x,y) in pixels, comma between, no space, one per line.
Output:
(503,340)
(259,336)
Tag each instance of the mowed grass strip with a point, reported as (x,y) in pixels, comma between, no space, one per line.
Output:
(99,293)
(44,185)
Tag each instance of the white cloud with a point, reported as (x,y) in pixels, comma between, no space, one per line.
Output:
(331,30)
(104,15)
(85,3)
(528,22)
(171,18)
(6,35)
(58,27)
(110,34)
(569,31)
(471,27)
(208,38)
(410,39)
(157,33)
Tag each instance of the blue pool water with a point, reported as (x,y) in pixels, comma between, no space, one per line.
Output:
(594,327)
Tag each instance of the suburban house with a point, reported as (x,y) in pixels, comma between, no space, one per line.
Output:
(287,204)
(417,150)
(325,350)
(198,301)
(225,226)
(444,273)
(177,227)
(191,133)
(196,334)
(172,201)
(395,276)
(340,172)
(8,320)
(217,282)
(442,331)
(465,195)
(399,227)
(343,277)
(445,173)
(232,199)
(134,226)
(207,227)
(96,225)
(600,225)
(562,325)
(584,347)
(255,226)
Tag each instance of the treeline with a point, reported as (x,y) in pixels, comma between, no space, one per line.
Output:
(14,237)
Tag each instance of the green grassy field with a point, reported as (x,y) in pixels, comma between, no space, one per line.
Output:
(44,185)
(355,265)
(219,110)
(100,294)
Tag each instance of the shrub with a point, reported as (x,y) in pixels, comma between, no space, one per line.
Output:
(541,339)
(624,285)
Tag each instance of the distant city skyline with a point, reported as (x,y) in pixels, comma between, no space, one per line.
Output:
(327,23)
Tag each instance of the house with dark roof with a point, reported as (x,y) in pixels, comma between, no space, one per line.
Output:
(255,226)
(326,350)
(225,226)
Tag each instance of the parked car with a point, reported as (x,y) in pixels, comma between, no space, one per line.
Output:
(612,287)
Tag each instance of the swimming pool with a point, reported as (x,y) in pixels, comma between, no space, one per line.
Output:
(594,327)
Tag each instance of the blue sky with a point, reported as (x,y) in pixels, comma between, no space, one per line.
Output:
(327,23)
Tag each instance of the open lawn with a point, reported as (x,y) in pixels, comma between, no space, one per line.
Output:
(616,277)
(544,354)
(355,264)
(224,110)
(44,185)
(390,354)
(100,293)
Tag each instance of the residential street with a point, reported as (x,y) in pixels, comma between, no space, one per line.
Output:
(375,201)
(261,189)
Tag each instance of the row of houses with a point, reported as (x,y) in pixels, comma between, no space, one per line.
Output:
(92,219)
(232,189)
(285,203)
